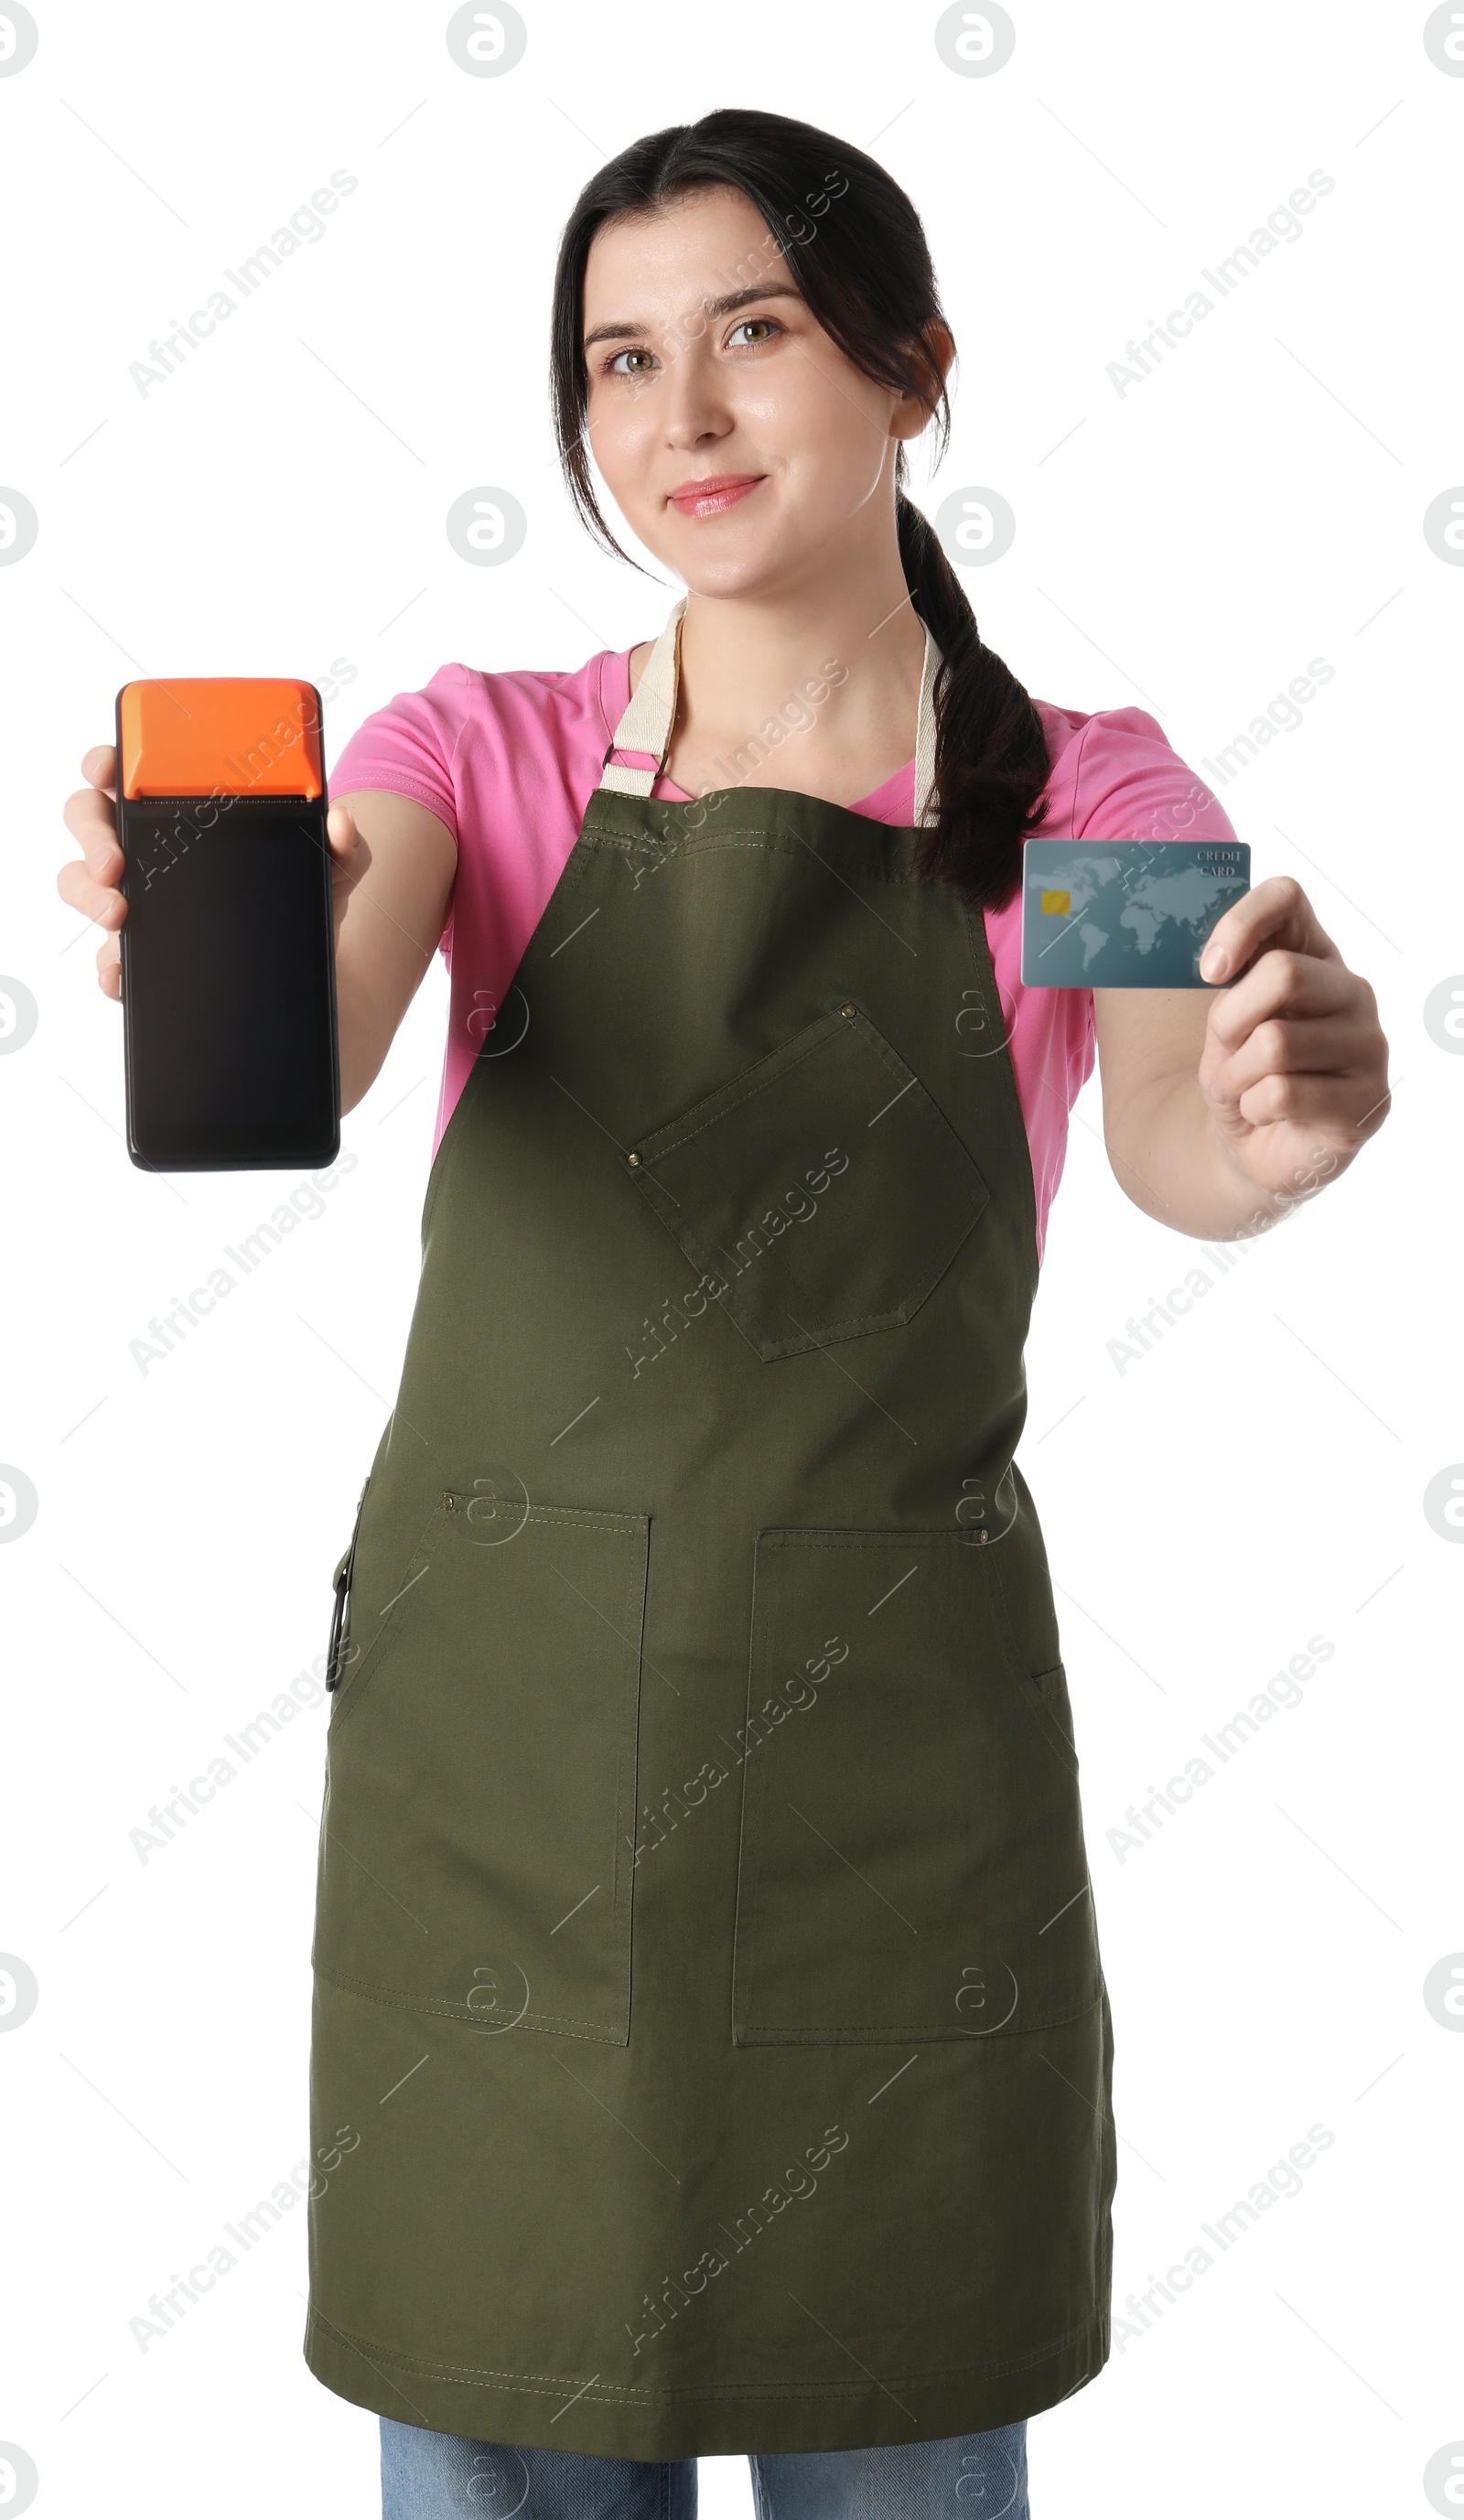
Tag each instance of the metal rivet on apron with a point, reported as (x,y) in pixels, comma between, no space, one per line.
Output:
(848,1011)
(633,1161)
(982,1537)
(449,1503)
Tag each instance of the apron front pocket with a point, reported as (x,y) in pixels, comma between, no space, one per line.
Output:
(476,1854)
(912,1862)
(822,1194)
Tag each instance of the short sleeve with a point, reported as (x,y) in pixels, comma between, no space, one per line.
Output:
(1121,780)
(410,747)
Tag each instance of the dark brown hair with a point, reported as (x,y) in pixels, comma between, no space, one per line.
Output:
(853,244)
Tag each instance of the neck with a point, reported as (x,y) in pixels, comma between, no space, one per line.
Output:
(834,661)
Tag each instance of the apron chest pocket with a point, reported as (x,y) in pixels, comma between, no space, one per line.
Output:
(820,1194)
(475,1855)
(912,1860)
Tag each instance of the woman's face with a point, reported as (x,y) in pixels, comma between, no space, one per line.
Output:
(738,443)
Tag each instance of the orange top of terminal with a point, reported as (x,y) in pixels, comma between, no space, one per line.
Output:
(252,738)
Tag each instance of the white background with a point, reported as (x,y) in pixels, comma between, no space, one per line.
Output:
(1256,1479)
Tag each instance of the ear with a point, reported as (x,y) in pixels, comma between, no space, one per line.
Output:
(933,357)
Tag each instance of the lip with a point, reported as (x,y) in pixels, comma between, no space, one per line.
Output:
(713,494)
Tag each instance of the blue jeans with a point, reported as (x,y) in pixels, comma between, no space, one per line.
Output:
(977,2476)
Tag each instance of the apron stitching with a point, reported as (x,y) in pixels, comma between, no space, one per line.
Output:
(467,2375)
(980,945)
(779,1064)
(773,843)
(895,2034)
(402,2000)
(724,1101)
(633,1637)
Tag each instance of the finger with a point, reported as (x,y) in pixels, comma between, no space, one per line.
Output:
(1344,1109)
(79,888)
(91,819)
(1284,982)
(99,766)
(1324,1046)
(342,832)
(1276,912)
(109,968)
(89,882)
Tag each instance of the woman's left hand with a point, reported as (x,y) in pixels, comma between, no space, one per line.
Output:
(1294,1071)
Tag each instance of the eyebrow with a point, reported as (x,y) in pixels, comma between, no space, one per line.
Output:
(713,307)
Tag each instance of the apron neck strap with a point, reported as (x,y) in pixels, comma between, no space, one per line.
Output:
(645,727)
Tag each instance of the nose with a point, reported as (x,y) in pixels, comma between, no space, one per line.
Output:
(695,412)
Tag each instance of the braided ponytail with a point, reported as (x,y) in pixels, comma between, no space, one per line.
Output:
(991,755)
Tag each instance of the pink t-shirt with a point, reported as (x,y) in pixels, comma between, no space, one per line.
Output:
(509,763)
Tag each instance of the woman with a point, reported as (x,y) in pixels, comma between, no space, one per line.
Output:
(705,1958)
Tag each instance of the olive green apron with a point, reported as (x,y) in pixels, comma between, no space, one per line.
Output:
(711,2047)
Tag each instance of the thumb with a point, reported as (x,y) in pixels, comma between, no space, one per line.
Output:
(344,836)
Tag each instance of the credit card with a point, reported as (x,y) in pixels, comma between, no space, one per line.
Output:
(1125,914)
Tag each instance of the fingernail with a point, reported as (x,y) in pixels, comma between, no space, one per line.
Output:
(1213,961)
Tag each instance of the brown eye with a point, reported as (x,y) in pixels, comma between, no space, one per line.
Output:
(614,366)
(764,325)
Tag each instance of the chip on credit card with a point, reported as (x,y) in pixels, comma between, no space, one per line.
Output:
(1125,914)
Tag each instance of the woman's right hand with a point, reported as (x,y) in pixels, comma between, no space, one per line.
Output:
(91,884)
(393,874)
